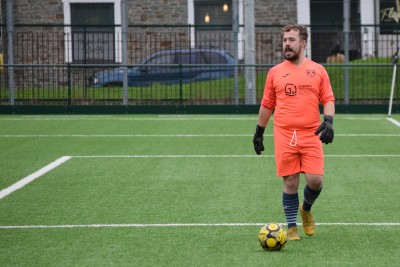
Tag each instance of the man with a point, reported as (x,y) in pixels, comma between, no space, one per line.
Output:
(293,91)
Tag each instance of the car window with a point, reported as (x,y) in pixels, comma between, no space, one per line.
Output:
(185,58)
(190,58)
(200,58)
(214,58)
(161,59)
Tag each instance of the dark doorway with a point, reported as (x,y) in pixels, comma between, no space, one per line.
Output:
(327,29)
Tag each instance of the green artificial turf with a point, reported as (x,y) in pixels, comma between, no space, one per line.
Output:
(188,191)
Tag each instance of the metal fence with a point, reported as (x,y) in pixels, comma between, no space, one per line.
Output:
(56,64)
(70,85)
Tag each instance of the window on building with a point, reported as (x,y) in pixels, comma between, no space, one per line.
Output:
(93,33)
(213,15)
(212,22)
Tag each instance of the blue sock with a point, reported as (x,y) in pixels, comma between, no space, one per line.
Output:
(310,196)
(290,203)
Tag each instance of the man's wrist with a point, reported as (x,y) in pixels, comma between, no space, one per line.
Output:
(260,130)
(328,118)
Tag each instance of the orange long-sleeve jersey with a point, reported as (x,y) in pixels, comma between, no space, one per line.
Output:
(295,92)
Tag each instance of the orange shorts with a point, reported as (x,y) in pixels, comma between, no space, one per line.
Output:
(297,151)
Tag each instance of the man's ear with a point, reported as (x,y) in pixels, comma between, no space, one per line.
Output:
(304,43)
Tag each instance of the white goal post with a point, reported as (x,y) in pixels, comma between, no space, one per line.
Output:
(394,62)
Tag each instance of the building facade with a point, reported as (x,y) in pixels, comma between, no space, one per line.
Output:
(89,31)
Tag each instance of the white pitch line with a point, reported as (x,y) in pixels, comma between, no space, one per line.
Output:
(170,135)
(367,156)
(21,183)
(164,118)
(394,122)
(159,225)
(368,135)
(128,135)
(228,156)
(97,118)
(173,156)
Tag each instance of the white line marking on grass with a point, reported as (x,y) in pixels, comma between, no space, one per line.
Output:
(359,118)
(156,225)
(394,122)
(129,135)
(360,224)
(170,135)
(165,118)
(106,118)
(21,183)
(368,135)
(367,156)
(226,156)
(174,156)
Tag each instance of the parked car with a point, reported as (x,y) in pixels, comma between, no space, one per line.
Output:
(212,64)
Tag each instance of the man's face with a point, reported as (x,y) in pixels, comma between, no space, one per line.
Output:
(292,45)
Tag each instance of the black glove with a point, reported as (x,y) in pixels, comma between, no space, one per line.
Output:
(258,139)
(326,130)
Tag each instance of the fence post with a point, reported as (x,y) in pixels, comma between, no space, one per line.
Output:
(250,53)
(346,31)
(180,86)
(69,86)
(10,36)
(124,22)
(235,29)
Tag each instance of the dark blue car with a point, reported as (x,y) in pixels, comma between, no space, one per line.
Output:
(169,66)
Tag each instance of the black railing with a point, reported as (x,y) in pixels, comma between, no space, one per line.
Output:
(195,84)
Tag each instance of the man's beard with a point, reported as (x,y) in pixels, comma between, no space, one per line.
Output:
(294,56)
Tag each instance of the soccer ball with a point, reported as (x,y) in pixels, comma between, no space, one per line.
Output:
(272,237)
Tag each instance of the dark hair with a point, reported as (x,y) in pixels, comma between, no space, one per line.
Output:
(297,27)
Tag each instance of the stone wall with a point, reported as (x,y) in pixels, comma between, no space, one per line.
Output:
(139,12)
(148,12)
(157,12)
(38,12)
(278,12)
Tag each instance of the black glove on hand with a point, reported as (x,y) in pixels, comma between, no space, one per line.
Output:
(258,139)
(326,130)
